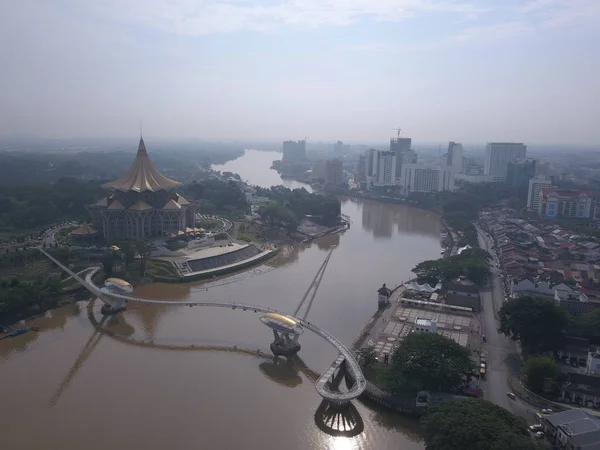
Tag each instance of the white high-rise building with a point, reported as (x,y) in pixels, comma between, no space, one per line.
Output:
(380,168)
(533,195)
(427,178)
(386,170)
(455,157)
(499,154)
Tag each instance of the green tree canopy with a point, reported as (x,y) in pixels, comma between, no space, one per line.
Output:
(541,374)
(539,323)
(587,325)
(431,362)
(474,424)
(472,263)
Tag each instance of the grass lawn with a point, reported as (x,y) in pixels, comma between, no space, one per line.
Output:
(379,374)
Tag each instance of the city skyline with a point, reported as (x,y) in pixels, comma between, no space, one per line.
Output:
(468,71)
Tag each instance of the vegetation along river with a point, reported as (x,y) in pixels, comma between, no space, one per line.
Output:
(177,381)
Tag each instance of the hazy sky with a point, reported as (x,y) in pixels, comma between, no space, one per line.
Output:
(465,70)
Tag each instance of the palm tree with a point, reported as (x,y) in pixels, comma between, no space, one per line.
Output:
(144,249)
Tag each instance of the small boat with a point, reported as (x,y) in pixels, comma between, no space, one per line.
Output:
(18,332)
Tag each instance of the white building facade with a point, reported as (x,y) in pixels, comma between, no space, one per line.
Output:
(380,168)
(499,154)
(533,194)
(426,178)
(455,157)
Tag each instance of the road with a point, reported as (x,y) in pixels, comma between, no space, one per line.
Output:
(501,352)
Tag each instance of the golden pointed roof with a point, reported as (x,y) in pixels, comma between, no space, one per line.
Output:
(140,206)
(103,202)
(116,206)
(84,230)
(172,205)
(142,176)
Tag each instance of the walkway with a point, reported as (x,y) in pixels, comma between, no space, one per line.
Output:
(321,385)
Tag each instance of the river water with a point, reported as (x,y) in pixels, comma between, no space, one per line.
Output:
(192,377)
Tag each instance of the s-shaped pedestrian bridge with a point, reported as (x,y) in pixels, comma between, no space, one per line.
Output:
(327,385)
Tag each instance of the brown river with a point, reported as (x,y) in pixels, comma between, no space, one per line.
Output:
(202,378)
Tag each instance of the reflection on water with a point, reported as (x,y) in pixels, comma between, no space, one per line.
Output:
(382,219)
(345,422)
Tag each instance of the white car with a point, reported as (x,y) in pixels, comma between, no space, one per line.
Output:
(539,434)
(547,411)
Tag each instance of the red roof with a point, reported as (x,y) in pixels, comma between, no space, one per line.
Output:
(571,193)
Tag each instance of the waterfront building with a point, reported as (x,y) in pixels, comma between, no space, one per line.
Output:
(142,203)
(423,325)
(294,151)
(569,203)
(380,168)
(454,158)
(499,154)
(519,172)
(426,178)
(334,173)
(533,194)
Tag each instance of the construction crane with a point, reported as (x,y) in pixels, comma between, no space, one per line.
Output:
(398,131)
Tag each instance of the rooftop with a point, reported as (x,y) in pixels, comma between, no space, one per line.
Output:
(142,176)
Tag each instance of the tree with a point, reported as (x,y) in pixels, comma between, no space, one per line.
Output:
(367,357)
(128,251)
(587,326)
(431,362)
(474,424)
(144,249)
(539,323)
(108,262)
(541,374)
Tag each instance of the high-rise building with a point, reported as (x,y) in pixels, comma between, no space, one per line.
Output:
(294,151)
(427,178)
(533,194)
(386,170)
(380,168)
(519,172)
(400,146)
(499,154)
(455,157)
(334,173)
(361,169)
(338,148)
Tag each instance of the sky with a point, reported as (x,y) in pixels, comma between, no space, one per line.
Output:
(354,70)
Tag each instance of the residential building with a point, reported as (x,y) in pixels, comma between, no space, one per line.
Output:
(573,429)
(386,170)
(556,203)
(294,151)
(582,389)
(334,174)
(519,172)
(533,194)
(499,154)
(454,159)
(426,178)
(380,168)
